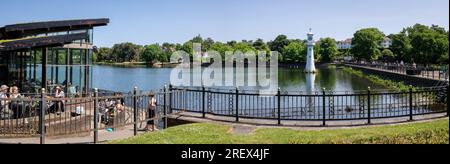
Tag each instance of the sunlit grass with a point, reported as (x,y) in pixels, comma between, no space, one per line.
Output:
(435,132)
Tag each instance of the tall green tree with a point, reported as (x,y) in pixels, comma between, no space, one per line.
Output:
(328,49)
(294,52)
(387,55)
(401,46)
(126,52)
(260,45)
(103,54)
(429,44)
(279,43)
(207,44)
(152,53)
(221,48)
(366,44)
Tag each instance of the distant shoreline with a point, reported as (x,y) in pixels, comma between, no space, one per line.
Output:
(172,65)
(137,64)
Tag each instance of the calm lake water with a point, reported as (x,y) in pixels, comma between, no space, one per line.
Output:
(124,78)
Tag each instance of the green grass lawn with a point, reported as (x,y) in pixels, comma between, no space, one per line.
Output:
(435,132)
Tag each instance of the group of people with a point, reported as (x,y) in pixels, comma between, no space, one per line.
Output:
(13,104)
(108,108)
(8,108)
(111,110)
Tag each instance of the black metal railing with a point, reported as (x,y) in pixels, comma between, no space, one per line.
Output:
(43,116)
(437,73)
(314,106)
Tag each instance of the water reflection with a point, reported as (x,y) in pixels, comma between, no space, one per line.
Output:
(310,82)
(123,79)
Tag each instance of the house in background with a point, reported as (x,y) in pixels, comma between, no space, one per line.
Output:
(386,43)
(344,45)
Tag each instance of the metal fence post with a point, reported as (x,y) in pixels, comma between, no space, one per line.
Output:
(165,107)
(135,112)
(95,116)
(447,90)
(279,106)
(203,102)
(324,123)
(170,97)
(237,104)
(369,121)
(410,103)
(43,108)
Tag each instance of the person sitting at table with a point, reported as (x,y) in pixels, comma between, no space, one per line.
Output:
(71,90)
(3,95)
(16,106)
(58,105)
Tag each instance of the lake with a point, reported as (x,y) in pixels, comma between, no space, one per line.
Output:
(125,78)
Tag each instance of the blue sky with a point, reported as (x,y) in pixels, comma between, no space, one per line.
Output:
(156,21)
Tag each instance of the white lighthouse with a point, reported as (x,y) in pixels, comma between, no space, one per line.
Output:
(310,66)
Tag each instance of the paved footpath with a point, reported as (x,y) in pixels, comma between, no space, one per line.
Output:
(103,136)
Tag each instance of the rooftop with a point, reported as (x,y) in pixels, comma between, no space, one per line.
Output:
(24,36)
(15,31)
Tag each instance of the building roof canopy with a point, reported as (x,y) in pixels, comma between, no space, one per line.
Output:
(28,29)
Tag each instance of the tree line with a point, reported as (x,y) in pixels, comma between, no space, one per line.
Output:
(416,44)
(419,43)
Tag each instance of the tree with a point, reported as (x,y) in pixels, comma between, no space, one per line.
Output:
(328,49)
(279,43)
(103,54)
(231,43)
(197,39)
(401,46)
(152,53)
(294,52)
(126,52)
(207,44)
(168,49)
(260,45)
(243,47)
(429,45)
(221,48)
(387,55)
(366,44)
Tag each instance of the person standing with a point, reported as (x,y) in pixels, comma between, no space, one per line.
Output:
(59,94)
(151,115)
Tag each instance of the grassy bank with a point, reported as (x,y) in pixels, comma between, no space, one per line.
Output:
(435,132)
(377,80)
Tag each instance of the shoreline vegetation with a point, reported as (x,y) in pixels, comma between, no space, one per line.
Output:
(433,132)
(399,86)
(138,64)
